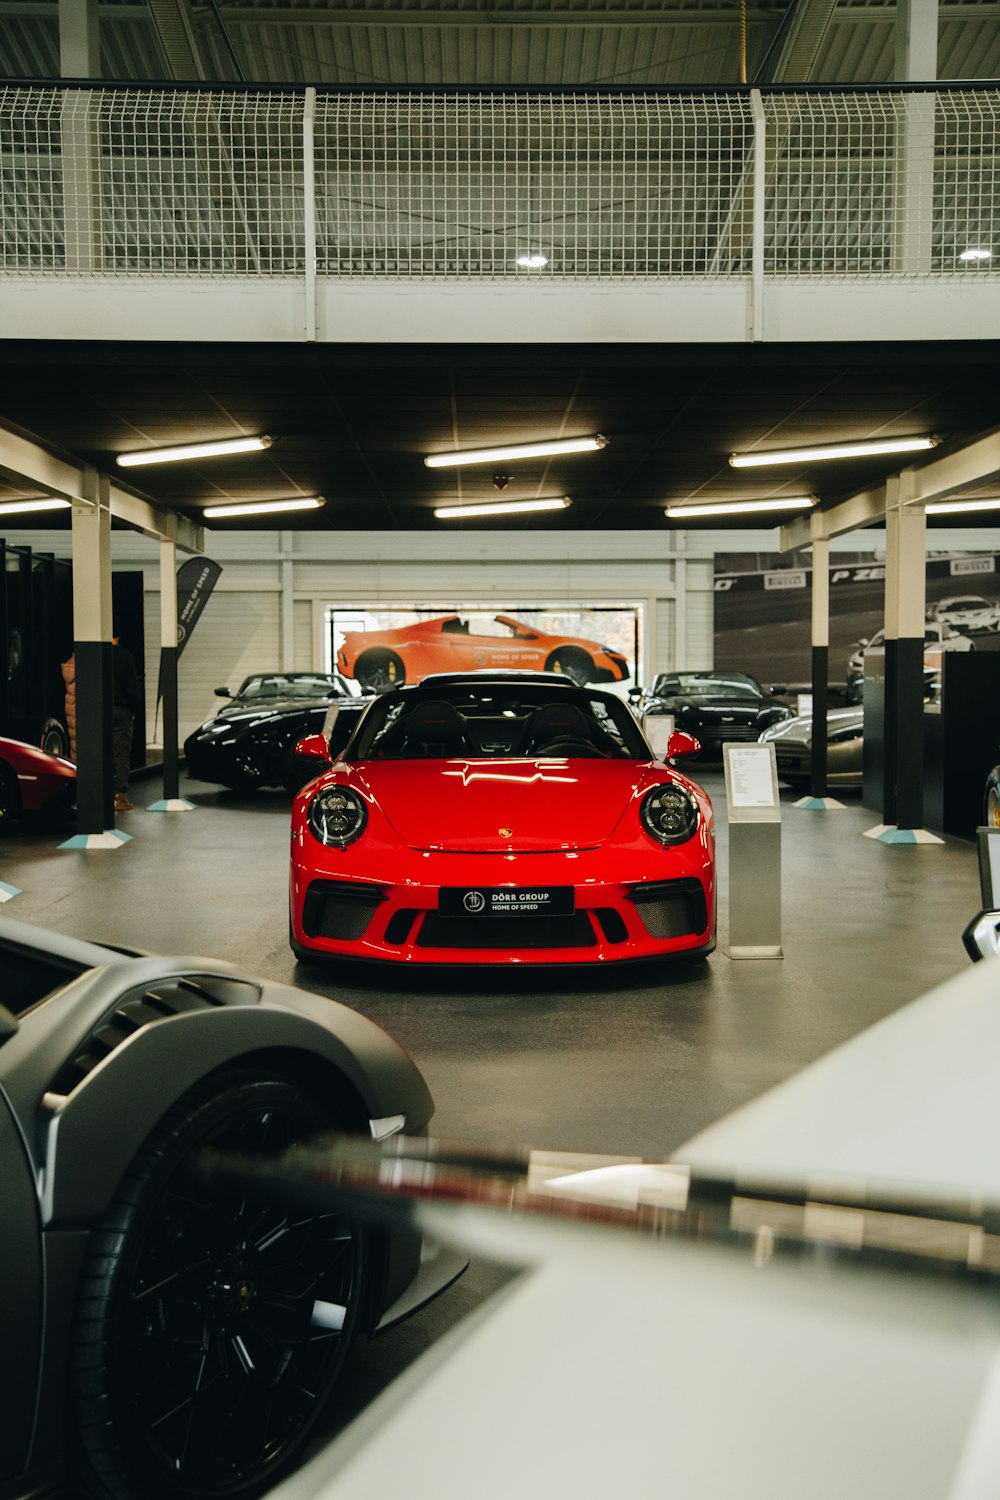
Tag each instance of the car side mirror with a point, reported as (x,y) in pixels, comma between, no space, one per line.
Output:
(223,692)
(313,747)
(681,743)
(634,694)
(864,641)
(778,689)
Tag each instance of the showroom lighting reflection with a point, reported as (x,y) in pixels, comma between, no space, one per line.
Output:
(498,508)
(738,507)
(49,502)
(976,252)
(590,444)
(533,262)
(956,507)
(262,507)
(832,450)
(192,450)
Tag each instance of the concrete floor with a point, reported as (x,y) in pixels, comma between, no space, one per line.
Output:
(627,1061)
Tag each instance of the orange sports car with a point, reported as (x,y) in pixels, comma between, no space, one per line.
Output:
(382,659)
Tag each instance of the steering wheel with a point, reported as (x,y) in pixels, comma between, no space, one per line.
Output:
(572,748)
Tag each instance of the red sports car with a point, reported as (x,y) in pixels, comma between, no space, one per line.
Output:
(32,780)
(490,819)
(381,659)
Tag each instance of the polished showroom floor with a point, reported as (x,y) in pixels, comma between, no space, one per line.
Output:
(628,1061)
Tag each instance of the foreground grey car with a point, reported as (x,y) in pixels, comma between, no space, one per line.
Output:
(164,1339)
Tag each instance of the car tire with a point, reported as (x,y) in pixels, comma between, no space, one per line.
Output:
(573,663)
(52,738)
(991,799)
(10,797)
(378,670)
(212,1326)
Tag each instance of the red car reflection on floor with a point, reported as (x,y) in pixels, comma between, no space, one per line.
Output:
(491,819)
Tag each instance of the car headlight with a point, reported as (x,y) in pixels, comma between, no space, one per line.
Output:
(670,814)
(337,816)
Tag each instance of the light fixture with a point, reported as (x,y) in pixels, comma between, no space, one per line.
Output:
(498,508)
(532,261)
(831,450)
(192,450)
(519,450)
(262,507)
(738,507)
(976,252)
(954,507)
(11,507)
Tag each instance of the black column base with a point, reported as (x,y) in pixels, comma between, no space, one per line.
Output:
(95,775)
(171,757)
(820,705)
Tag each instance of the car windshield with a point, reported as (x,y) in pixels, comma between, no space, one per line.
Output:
(291,685)
(707,685)
(496,721)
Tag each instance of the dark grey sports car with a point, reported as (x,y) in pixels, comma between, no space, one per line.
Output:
(165,1339)
(714,706)
(251,741)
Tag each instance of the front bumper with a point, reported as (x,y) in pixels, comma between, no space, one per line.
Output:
(664,905)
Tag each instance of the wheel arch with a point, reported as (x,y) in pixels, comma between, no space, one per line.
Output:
(92,1134)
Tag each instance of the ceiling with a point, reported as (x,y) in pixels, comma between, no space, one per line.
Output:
(499,43)
(354,423)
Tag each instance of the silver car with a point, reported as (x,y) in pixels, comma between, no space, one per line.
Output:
(793,747)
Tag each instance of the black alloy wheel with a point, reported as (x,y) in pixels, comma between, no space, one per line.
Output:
(378,670)
(212,1325)
(573,663)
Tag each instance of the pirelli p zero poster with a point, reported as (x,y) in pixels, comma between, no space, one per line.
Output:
(763,608)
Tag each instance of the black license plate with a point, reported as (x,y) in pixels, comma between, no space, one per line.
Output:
(506,901)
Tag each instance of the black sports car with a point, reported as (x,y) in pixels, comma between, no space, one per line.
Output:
(714,706)
(165,1338)
(251,741)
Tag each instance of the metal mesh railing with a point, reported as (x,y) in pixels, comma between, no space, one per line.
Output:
(630,185)
(205,183)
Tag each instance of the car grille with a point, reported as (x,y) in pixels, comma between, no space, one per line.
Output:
(720,732)
(506,932)
(671,908)
(339,909)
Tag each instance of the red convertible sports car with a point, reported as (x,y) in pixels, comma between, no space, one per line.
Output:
(32,780)
(382,659)
(491,818)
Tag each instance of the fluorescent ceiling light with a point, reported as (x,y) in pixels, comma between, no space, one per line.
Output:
(977,252)
(532,262)
(954,507)
(739,507)
(192,450)
(9,507)
(518,450)
(498,508)
(831,450)
(261,507)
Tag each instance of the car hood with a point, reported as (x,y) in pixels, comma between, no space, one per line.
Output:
(463,805)
(262,710)
(747,708)
(799,731)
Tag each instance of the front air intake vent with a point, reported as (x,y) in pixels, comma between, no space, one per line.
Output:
(173,997)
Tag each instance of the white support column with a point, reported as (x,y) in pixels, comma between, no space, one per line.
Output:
(92,626)
(902,709)
(756,329)
(679,642)
(818,801)
(309,209)
(286,549)
(916,62)
(79,39)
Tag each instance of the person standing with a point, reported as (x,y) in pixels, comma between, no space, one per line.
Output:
(127,702)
